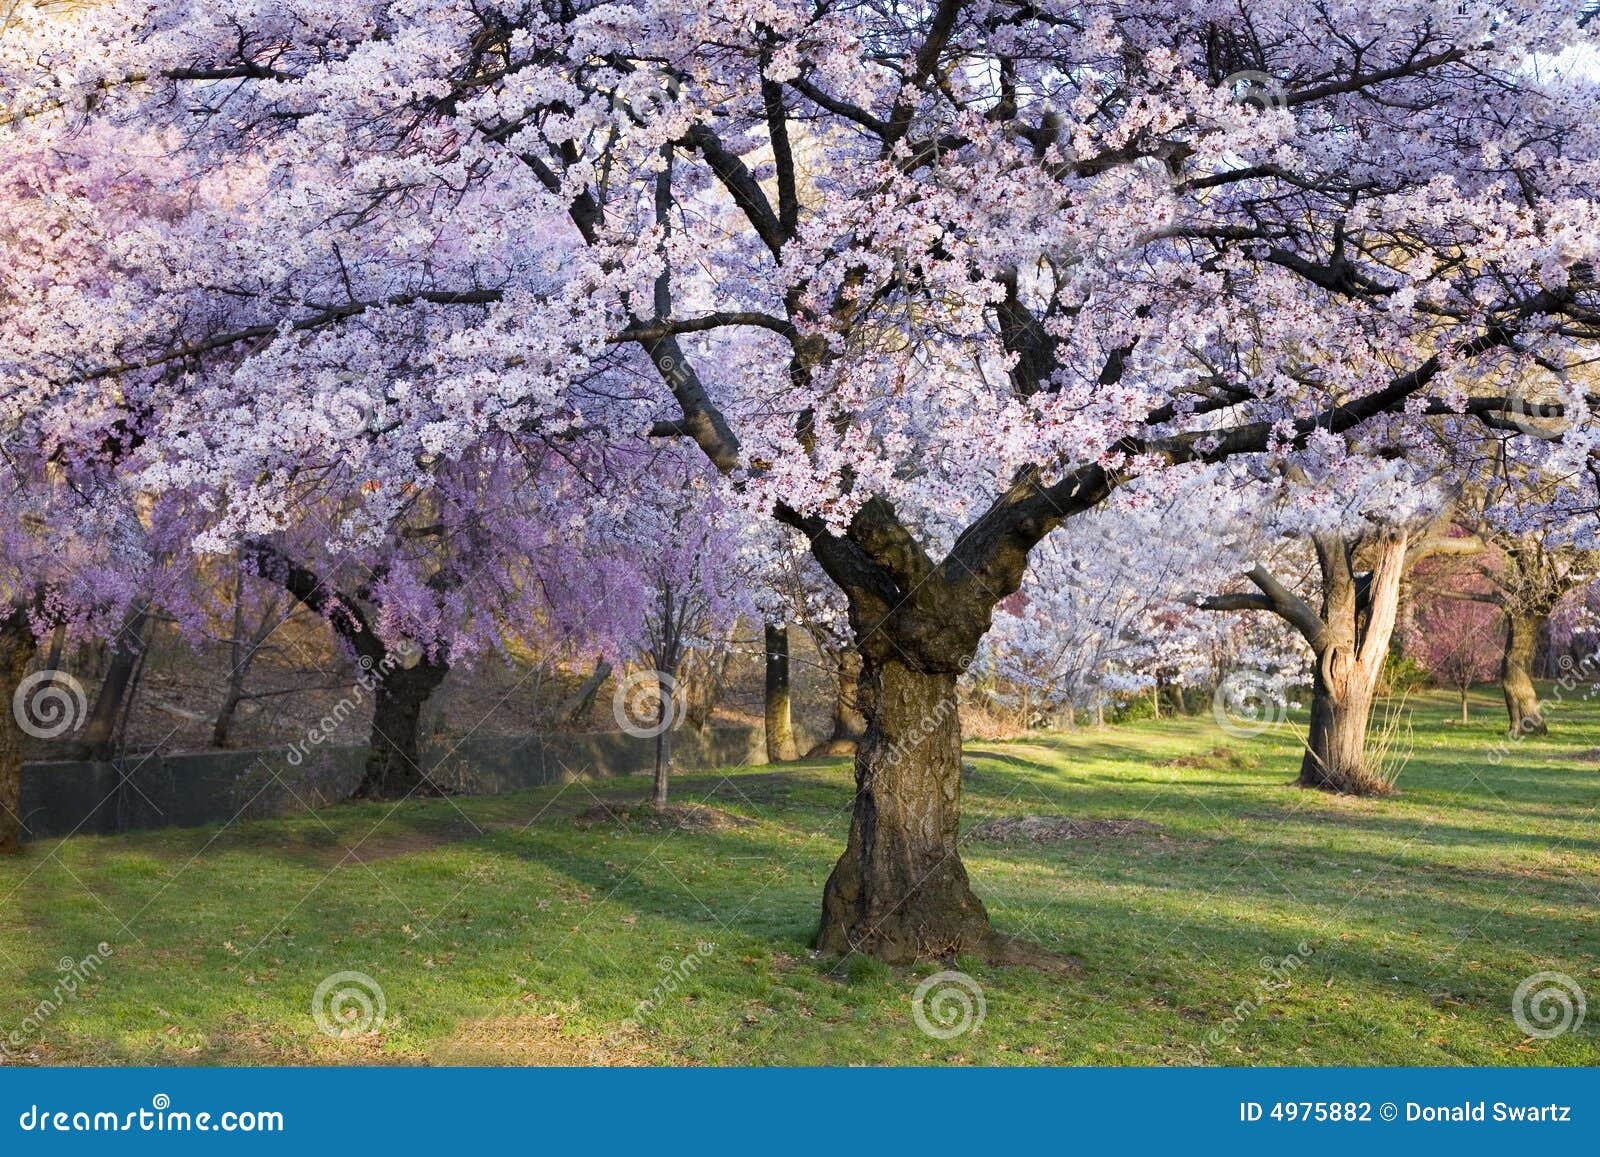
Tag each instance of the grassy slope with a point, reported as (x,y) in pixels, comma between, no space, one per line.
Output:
(532,942)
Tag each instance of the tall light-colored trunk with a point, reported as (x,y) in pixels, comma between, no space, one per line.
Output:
(1516,675)
(1349,661)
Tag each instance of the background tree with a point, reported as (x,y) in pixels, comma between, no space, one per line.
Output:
(1458,641)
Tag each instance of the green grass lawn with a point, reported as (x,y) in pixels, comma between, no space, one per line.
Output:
(506,930)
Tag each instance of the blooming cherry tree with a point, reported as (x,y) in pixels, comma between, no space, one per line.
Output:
(925,284)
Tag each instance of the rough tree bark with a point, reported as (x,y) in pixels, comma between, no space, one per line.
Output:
(393,769)
(17,646)
(900,891)
(1358,617)
(1516,674)
(779,702)
(394,758)
(1349,641)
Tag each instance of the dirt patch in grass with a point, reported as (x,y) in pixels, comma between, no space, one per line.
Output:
(534,1041)
(1055,829)
(691,817)
(1223,755)
(382,843)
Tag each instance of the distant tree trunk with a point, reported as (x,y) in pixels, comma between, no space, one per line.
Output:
(779,718)
(58,643)
(581,702)
(238,667)
(669,631)
(243,647)
(393,769)
(848,724)
(394,756)
(17,646)
(126,651)
(704,675)
(663,769)
(1155,700)
(1516,678)
(1463,704)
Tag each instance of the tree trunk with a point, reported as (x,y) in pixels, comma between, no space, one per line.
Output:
(1463,705)
(58,643)
(99,732)
(1516,675)
(394,759)
(900,891)
(17,646)
(1336,742)
(779,718)
(663,770)
(1349,661)
(848,724)
(581,702)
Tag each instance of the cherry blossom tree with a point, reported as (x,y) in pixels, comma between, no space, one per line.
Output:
(687,548)
(1368,521)
(1108,611)
(1457,641)
(1540,554)
(925,284)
